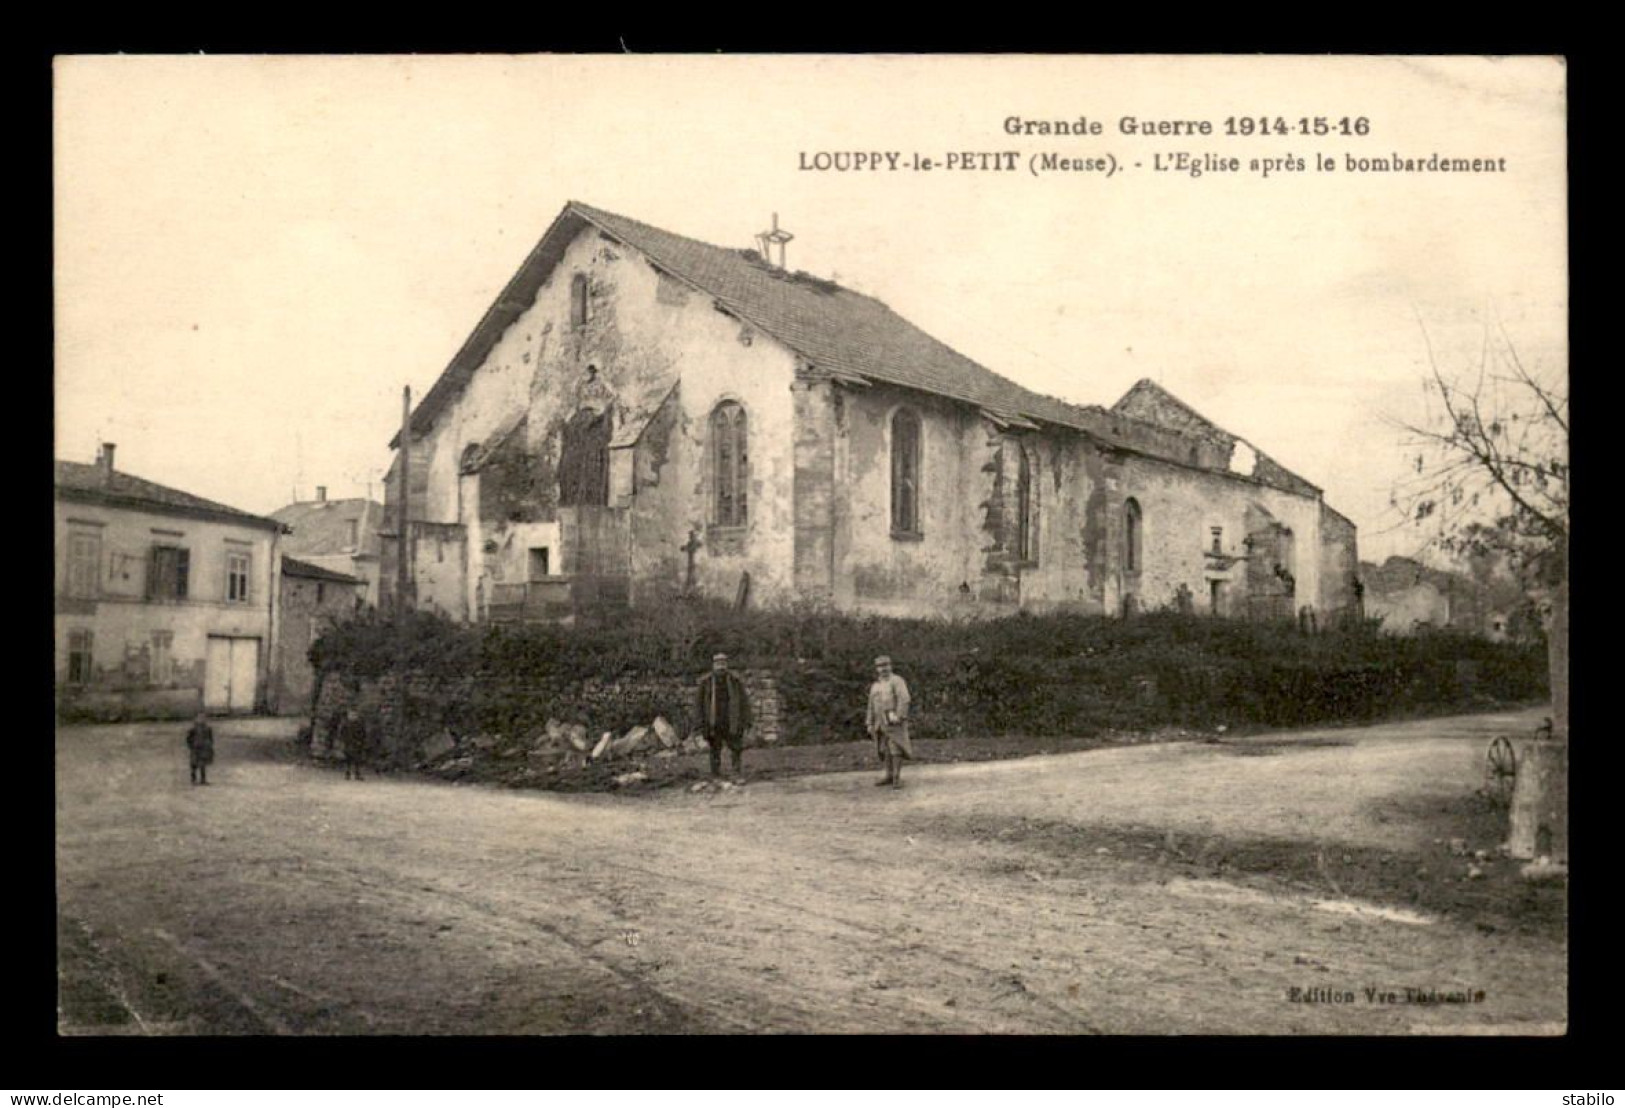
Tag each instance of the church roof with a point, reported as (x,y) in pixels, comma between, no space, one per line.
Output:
(1152,403)
(849,335)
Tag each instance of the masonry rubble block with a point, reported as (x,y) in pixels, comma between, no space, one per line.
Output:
(576,734)
(602,748)
(665,732)
(438,747)
(633,741)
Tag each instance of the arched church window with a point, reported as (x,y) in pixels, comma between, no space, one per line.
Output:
(578,300)
(730,454)
(1026,513)
(584,458)
(1131,535)
(905,472)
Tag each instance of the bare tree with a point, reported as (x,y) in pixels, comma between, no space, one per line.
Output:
(1491,479)
(1491,468)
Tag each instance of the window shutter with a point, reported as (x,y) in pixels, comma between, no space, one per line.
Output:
(152,572)
(182,562)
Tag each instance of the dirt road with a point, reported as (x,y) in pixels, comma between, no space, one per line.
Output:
(1183,888)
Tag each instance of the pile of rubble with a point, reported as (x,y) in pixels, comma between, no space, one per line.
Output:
(561,748)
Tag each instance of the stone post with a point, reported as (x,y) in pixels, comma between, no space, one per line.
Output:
(1540,794)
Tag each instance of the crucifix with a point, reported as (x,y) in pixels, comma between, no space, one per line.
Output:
(693,544)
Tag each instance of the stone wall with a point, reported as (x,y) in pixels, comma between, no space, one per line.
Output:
(594,701)
(598,704)
(308,607)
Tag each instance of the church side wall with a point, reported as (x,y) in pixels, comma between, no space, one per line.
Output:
(1179,508)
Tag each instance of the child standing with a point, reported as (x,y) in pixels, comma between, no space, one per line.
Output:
(200,744)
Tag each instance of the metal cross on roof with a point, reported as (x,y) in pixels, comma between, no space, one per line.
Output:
(768,239)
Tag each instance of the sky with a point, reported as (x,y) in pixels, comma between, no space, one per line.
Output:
(254,255)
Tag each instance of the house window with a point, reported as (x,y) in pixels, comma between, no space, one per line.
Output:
(167,570)
(321,592)
(1026,516)
(1131,535)
(905,473)
(79,657)
(1218,539)
(731,464)
(162,658)
(84,563)
(538,563)
(578,300)
(237,578)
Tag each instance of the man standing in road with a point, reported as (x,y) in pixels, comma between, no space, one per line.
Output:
(200,748)
(722,707)
(888,721)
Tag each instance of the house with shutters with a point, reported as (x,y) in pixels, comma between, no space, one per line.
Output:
(164,601)
(640,414)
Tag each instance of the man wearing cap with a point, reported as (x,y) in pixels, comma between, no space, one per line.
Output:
(723,708)
(888,721)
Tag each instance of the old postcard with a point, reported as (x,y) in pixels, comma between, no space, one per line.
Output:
(512,512)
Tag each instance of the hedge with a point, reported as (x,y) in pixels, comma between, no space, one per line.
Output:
(1028,674)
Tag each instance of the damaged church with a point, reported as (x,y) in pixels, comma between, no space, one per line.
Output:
(641,414)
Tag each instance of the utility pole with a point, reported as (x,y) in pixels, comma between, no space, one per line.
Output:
(403,577)
(403,570)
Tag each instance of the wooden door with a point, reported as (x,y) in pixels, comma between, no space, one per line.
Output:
(231,674)
(245,673)
(217,676)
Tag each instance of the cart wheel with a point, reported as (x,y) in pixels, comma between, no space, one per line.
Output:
(1501,769)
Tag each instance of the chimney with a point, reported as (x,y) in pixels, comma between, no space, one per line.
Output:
(321,494)
(105,460)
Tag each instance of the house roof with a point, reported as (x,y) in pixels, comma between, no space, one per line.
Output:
(1398,573)
(323,526)
(293,567)
(97,485)
(850,336)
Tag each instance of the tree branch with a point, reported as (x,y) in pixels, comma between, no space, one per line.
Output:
(1536,388)
(1474,439)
